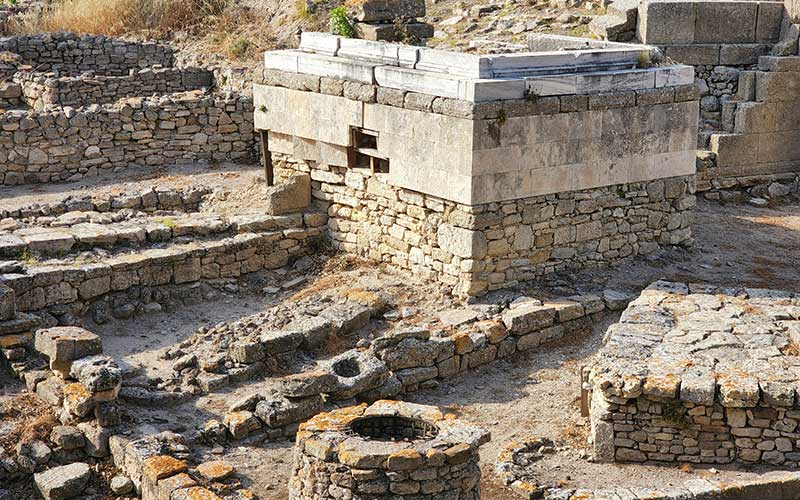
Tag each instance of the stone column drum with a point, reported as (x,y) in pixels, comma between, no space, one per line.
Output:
(388,450)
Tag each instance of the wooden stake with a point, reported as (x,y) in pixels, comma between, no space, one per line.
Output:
(269,172)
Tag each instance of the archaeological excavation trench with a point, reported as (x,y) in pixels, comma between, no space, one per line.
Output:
(382,270)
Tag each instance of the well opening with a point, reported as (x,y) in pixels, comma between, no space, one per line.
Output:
(393,428)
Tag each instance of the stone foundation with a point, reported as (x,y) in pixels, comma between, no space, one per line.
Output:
(389,450)
(486,247)
(699,374)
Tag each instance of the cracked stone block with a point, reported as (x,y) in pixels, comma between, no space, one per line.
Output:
(280,341)
(67,437)
(61,483)
(306,384)
(98,373)
(277,410)
(241,423)
(528,318)
(293,195)
(65,344)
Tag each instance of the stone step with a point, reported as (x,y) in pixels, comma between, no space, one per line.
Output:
(77,231)
(76,284)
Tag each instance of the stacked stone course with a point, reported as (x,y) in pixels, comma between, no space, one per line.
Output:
(73,54)
(41,90)
(699,374)
(68,144)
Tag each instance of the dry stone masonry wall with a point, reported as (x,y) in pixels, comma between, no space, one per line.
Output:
(492,246)
(73,54)
(41,90)
(68,144)
(699,374)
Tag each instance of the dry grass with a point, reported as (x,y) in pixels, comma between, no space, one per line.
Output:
(232,29)
(156,18)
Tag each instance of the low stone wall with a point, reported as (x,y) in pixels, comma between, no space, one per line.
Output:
(73,54)
(68,144)
(699,374)
(40,90)
(493,246)
(128,281)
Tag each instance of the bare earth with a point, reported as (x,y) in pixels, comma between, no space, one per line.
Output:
(534,393)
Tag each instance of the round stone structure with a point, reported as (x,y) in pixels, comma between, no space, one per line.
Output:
(387,450)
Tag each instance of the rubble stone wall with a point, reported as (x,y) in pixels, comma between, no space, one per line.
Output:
(68,144)
(648,429)
(40,90)
(73,54)
(493,246)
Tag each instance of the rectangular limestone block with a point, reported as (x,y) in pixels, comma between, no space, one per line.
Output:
(336,67)
(781,86)
(742,54)
(768,24)
(775,63)
(64,344)
(454,63)
(735,149)
(389,10)
(8,307)
(282,60)
(725,22)
(700,54)
(423,82)
(389,32)
(320,43)
(276,110)
(666,22)
(779,147)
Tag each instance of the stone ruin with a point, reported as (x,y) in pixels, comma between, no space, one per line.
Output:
(389,449)
(745,57)
(477,172)
(524,163)
(698,374)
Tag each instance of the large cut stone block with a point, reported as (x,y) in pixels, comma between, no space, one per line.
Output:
(666,22)
(67,343)
(695,54)
(768,24)
(725,22)
(389,10)
(389,32)
(780,86)
(61,483)
(735,149)
(464,243)
(293,195)
(320,43)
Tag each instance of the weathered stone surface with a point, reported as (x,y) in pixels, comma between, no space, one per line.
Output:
(277,411)
(293,195)
(97,373)
(61,483)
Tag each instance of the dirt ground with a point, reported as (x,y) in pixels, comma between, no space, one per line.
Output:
(534,393)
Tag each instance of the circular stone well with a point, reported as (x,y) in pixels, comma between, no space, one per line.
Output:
(387,450)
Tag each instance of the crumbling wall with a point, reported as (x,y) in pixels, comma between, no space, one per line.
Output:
(40,90)
(62,144)
(73,54)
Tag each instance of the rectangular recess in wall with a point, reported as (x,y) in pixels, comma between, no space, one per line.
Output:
(364,151)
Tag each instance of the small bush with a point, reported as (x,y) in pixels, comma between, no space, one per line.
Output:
(240,48)
(341,23)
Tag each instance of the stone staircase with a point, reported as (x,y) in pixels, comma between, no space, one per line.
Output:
(759,144)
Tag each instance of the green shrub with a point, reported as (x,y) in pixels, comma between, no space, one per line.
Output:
(341,23)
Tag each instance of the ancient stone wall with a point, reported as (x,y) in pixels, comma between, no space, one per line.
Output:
(40,90)
(492,246)
(62,144)
(73,54)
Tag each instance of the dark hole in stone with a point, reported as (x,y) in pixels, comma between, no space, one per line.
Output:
(347,368)
(392,428)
